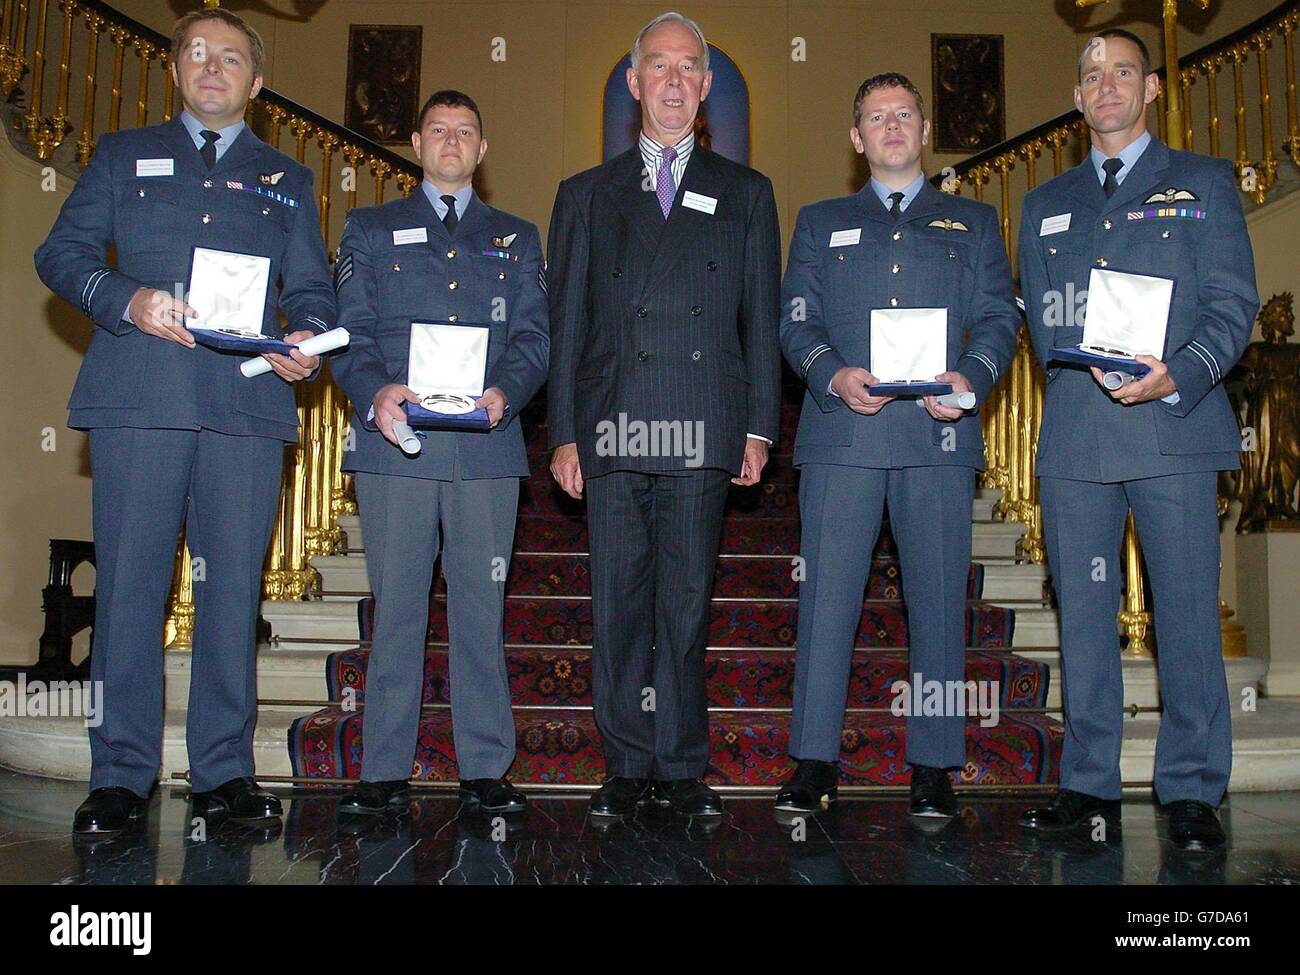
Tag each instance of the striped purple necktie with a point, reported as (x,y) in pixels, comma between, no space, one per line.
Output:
(664,185)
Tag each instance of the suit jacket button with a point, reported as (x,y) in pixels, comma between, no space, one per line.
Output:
(451,253)
(839,256)
(266,211)
(1164,234)
(501,275)
(641,313)
(712,265)
(396,266)
(895,268)
(140,193)
(696,355)
(952,253)
(643,356)
(207,184)
(696,309)
(453,285)
(893,302)
(453,318)
(1051,250)
(617,272)
(898,235)
(1101,262)
(207,218)
(1107,224)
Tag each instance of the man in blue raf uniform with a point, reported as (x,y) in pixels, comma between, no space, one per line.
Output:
(897,243)
(1153,446)
(170,421)
(441,254)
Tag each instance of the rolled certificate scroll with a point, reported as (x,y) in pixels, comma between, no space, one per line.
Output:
(406,438)
(956,401)
(335,338)
(1115,379)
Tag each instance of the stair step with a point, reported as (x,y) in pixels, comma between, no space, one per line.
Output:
(562,747)
(733,678)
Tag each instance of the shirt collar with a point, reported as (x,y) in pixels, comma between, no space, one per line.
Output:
(1129,155)
(653,150)
(434,195)
(228,135)
(909,191)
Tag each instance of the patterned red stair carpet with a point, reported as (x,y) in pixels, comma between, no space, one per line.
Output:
(750,665)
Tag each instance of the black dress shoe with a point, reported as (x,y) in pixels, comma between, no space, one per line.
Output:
(374,798)
(812,787)
(240,800)
(1071,810)
(619,796)
(492,796)
(931,793)
(688,797)
(109,810)
(1194,826)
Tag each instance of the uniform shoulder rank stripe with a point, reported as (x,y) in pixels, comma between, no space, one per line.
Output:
(949,224)
(1185,213)
(1171,195)
(541,277)
(342,271)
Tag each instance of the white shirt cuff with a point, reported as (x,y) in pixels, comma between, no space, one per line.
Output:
(757,437)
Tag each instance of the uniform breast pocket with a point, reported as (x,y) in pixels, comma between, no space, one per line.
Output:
(942,263)
(149,214)
(850,278)
(261,219)
(404,281)
(493,276)
(1160,246)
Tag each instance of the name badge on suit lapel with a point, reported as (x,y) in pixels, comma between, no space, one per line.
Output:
(412,235)
(846,238)
(155,167)
(698,201)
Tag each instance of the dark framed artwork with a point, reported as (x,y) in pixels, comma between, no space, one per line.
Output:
(969,96)
(383,81)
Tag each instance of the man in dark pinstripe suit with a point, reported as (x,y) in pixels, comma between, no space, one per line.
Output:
(664,386)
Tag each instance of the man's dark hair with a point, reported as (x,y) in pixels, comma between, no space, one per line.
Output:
(451,98)
(1120,33)
(886,79)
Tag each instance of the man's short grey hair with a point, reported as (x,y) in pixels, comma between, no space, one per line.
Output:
(671,17)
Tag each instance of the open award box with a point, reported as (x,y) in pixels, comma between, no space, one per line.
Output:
(447,369)
(909,347)
(228,290)
(1127,315)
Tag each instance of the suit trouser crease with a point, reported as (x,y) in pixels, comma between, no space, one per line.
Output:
(654,546)
(840,511)
(142,478)
(1177,524)
(406,522)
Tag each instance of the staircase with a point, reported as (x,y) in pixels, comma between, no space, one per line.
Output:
(750,663)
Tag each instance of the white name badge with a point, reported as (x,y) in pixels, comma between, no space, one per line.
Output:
(1055,225)
(155,167)
(846,238)
(698,201)
(412,235)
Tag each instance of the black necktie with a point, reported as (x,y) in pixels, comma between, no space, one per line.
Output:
(209,150)
(1112,166)
(896,210)
(450,220)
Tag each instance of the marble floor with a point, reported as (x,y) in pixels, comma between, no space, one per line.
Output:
(862,841)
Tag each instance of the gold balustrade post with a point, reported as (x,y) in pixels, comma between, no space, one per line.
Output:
(1239,110)
(32,120)
(178,626)
(328,142)
(1162,129)
(1134,619)
(1211,68)
(352,156)
(1187,79)
(406,183)
(13,42)
(145,51)
(300,128)
(120,38)
(86,143)
(1266,173)
(277,115)
(169,85)
(1292,142)
(381,170)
